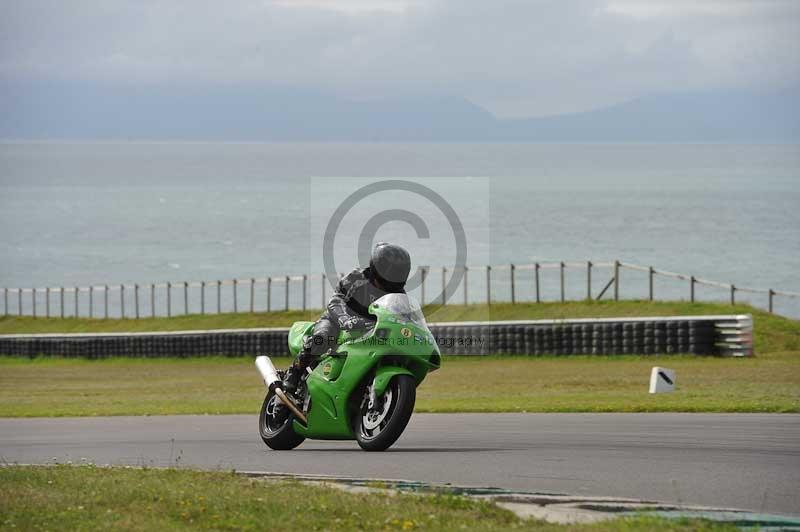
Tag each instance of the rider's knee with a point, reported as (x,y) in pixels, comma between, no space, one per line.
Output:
(317,344)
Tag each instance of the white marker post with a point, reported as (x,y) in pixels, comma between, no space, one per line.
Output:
(662,380)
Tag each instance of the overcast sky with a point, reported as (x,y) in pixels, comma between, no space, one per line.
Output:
(515,58)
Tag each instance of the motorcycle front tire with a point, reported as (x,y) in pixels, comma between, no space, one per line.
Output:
(282,438)
(404,395)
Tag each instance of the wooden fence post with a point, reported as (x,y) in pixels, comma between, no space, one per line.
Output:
(305,284)
(536,280)
(47,302)
(771,294)
(185,298)
(152,300)
(588,279)
(252,295)
(91,301)
(61,300)
(513,291)
(19,301)
(33,301)
(76,301)
(235,296)
(466,286)
(5,301)
(733,294)
(286,295)
(651,274)
(616,280)
(269,294)
(219,296)
(105,302)
(488,285)
(561,268)
(136,300)
(122,300)
(691,288)
(422,275)
(444,286)
(169,299)
(202,297)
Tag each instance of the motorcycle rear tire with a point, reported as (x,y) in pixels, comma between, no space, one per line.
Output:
(282,439)
(404,389)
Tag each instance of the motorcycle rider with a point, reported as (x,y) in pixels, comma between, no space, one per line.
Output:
(348,308)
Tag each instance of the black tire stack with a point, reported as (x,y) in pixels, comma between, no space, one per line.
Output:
(700,336)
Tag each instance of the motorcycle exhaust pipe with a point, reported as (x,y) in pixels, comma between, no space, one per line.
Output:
(270,376)
(267,370)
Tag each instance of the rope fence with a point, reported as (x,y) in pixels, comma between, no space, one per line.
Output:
(512,283)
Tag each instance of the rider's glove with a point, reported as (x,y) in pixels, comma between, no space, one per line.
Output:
(352,323)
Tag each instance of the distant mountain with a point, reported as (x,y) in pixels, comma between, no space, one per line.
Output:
(720,116)
(105,111)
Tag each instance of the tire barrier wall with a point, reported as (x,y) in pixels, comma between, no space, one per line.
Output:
(700,335)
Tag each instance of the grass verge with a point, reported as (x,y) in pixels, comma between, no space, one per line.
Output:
(92,498)
(70,387)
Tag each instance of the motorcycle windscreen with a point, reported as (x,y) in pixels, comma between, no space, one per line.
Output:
(405,308)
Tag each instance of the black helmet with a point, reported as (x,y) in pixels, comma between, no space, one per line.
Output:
(391,264)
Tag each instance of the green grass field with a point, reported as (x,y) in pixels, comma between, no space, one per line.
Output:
(92,498)
(60,387)
(768,382)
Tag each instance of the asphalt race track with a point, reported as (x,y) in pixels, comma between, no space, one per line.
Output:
(742,461)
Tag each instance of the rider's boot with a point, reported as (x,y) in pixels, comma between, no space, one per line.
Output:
(307,357)
(303,360)
(292,378)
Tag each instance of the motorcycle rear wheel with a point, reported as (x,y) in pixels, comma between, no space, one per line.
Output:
(276,430)
(378,431)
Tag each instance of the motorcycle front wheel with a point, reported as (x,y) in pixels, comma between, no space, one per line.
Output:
(275,425)
(378,429)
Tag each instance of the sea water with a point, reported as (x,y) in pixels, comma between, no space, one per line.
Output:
(96,213)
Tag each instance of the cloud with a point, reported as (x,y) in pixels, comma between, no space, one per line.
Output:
(347,6)
(515,57)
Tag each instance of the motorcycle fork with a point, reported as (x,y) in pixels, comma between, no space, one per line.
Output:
(374,403)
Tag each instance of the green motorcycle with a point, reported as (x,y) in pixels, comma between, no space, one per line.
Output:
(364,389)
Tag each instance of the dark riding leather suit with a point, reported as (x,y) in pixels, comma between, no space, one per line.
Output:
(348,308)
